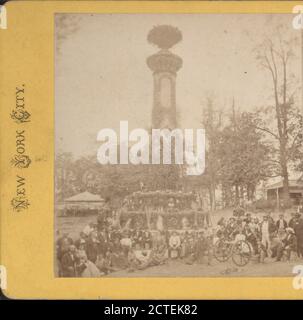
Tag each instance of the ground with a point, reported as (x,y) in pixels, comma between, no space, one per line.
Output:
(216,269)
(177,268)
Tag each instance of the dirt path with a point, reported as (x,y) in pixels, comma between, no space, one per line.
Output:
(227,269)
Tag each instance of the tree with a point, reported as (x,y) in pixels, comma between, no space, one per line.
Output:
(65,179)
(244,157)
(110,181)
(275,55)
(212,123)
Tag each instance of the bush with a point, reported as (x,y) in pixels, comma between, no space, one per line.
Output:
(264,204)
(286,204)
(270,204)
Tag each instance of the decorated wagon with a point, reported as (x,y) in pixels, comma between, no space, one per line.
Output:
(162,210)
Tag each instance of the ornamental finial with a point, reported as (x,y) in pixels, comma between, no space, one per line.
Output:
(164,36)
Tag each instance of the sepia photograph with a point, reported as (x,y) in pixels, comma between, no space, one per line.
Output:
(178,145)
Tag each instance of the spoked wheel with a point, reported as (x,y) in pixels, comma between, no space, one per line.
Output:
(241,253)
(222,250)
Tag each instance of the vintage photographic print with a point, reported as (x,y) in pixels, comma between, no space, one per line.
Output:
(178,145)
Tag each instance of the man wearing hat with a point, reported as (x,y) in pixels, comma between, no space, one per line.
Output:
(289,244)
(298,228)
(292,220)
(267,228)
(174,245)
(68,262)
(281,223)
(200,246)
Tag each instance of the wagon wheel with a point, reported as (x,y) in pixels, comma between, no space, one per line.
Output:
(222,250)
(241,253)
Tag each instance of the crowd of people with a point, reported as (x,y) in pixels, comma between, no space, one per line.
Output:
(100,252)
(267,237)
(104,247)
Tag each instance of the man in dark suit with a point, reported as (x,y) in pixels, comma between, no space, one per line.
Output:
(92,247)
(298,227)
(292,221)
(68,262)
(281,223)
(289,244)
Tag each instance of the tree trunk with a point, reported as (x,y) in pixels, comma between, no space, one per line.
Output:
(237,194)
(249,192)
(212,197)
(285,183)
(284,168)
(241,193)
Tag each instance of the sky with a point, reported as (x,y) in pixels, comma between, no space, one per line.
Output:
(101,76)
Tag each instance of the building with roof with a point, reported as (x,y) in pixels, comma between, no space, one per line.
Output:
(274,191)
(83,203)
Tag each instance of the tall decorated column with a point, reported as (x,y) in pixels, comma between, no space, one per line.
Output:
(165,66)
